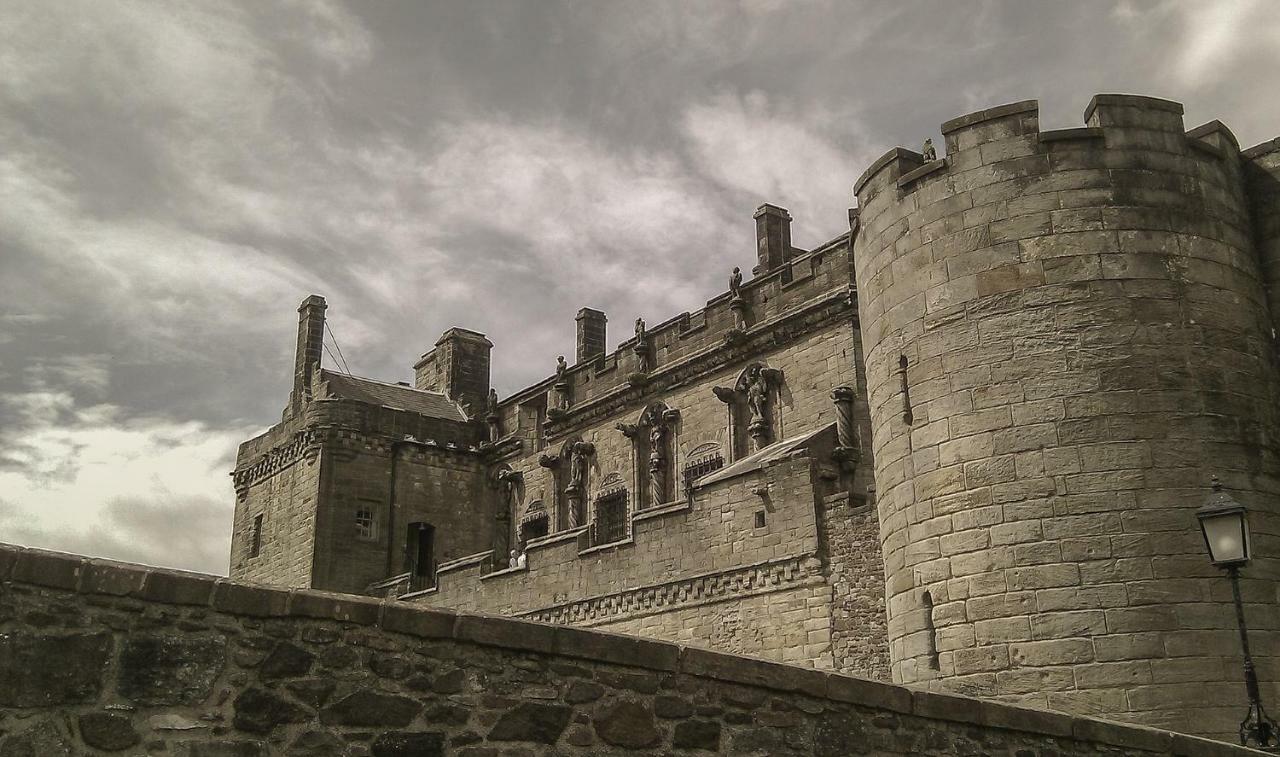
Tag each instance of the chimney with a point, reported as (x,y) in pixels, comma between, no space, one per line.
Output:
(458,367)
(591,333)
(310,345)
(773,237)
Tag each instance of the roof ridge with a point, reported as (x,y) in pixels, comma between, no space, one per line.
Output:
(386,383)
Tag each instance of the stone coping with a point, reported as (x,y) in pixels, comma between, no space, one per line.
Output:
(78,574)
(1133,101)
(1078,132)
(989,114)
(1263,148)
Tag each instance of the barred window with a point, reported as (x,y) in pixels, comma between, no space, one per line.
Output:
(699,467)
(255,537)
(611,517)
(366,527)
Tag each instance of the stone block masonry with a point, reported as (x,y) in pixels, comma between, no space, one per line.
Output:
(1084,323)
(114,658)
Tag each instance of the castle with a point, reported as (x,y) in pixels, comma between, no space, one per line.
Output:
(959,446)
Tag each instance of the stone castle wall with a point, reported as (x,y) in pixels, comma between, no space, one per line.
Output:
(685,569)
(307,477)
(120,658)
(1067,333)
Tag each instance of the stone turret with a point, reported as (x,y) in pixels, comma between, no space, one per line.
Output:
(1066,333)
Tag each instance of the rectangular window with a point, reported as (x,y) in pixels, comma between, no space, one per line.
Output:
(255,536)
(366,528)
(611,517)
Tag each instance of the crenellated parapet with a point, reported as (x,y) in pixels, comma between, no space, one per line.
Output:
(1066,333)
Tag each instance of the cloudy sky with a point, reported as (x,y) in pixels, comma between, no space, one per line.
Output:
(175,177)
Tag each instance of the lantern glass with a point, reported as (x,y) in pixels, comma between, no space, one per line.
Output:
(1227,536)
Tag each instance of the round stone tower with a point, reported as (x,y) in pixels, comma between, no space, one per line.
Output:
(1067,334)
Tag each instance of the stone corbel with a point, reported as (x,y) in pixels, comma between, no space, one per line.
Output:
(726,394)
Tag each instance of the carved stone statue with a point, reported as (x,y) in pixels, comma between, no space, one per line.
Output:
(578,464)
(562,383)
(492,417)
(509,485)
(928,150)
(735,282)
(757,394)
(657,464)
(641,347)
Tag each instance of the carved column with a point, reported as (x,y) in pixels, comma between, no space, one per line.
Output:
(847,446)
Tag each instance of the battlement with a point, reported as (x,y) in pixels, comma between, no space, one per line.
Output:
(1111,122)
(728,322)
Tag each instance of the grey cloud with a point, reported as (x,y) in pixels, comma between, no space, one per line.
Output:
(177,176)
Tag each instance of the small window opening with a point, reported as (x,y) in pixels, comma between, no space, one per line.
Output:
(927,600)
(365,527)
(255,536)
(759,518)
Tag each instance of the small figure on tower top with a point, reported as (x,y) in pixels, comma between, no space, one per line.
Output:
(930,154)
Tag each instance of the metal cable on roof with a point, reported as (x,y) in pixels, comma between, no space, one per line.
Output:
(345,368)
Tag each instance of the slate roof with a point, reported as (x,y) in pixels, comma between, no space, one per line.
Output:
(430,404)
(775,451)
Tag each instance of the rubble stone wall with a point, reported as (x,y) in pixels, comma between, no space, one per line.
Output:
(108,658)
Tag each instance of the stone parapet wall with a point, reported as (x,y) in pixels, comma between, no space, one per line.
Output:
(1066,334)
(768,299)
(693,567)
(121,658)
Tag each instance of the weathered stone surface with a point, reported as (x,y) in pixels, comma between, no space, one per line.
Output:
(697,734)
(532,721)
(44,739)
(409,744)
(169,669)
(260,711)
(45,669)
(626,724)
(312,691)
(370,707)
(671,707)
(318,744)
(580,692)
(222,748)
(287,660)
(518,701)
(107,731)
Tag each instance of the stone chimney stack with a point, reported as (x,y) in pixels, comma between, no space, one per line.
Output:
(310,345)
(773,237)
(591,333)
(458,367)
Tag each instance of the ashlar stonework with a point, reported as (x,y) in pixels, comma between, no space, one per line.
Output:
(958,446)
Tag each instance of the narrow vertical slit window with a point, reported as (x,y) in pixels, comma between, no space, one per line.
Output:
(927,600)
(907,416)
(255,536)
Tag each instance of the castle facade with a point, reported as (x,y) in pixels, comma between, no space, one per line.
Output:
(959,446)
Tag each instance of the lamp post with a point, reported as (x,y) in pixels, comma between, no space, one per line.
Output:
(1225,526)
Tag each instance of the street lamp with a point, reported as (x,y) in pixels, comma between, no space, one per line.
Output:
(1225,525)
